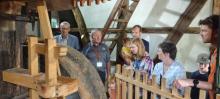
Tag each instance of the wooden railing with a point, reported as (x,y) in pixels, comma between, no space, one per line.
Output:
(129,86)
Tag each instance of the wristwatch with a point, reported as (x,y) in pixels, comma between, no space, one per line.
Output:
(195,82)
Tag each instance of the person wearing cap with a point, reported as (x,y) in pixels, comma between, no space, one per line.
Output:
(201,74)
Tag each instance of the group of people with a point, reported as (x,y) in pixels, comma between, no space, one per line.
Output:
(135,53)
(96,51)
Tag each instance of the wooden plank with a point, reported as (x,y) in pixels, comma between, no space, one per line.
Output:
(81,25)
(50,62)
(120,20)
(103,1)
(40,48)
(124,84)
(63,97)
(154,85)
(216,7)
(137,88)
(130,86)
(188,92)
(89,2)
(33,67)
(145,82)
(163,87)
(20,77)
(176,93)
(32,56)
(66,86)
(218,96)
(157,30)
(118,85)
(202,94)
(185,19)
(97,1)
(81,2)
(44,20)
(144,86)
(74,3)
(60,50)
(33,94)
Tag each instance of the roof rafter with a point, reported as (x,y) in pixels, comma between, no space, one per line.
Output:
(81,25)
(185,20)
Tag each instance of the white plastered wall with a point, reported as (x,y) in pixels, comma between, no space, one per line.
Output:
(156,13)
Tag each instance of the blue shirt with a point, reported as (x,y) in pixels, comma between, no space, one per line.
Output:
(71,41)
(174,72)
(102,55)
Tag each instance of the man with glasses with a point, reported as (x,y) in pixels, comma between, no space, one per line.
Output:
(65,38)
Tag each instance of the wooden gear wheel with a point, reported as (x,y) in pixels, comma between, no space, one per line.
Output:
(76,65)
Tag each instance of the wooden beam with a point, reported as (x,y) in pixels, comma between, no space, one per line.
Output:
(165,30)
(40,48)
(216,7)
(33,67)
(44,20)
(32,56)
(89,2)
(50,62)
(81,25)
(111,17)
(20,77)
(186,18)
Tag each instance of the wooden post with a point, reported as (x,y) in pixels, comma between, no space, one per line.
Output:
(50,62)
(202,94)
(130,86)
(216,7)
(218,96)
(137,89)
(124,84)
(44,20)
(89,2)
(163,87)
(154,85)
(81,2)
(145,82)
(187,93)
(81,24)
(33,66)
(118,88)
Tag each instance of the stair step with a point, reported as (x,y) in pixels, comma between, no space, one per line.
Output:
(136,0)
(121,20)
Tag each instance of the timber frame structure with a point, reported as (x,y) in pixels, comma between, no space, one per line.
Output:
(120,14)
(48,84)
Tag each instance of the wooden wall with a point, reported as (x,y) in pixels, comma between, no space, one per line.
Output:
(10,46)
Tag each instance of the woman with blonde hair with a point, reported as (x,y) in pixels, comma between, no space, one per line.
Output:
(142,60)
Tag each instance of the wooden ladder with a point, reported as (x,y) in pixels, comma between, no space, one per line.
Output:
(48,84)
(121,14)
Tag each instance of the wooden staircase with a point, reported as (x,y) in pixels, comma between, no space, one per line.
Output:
(120,15)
